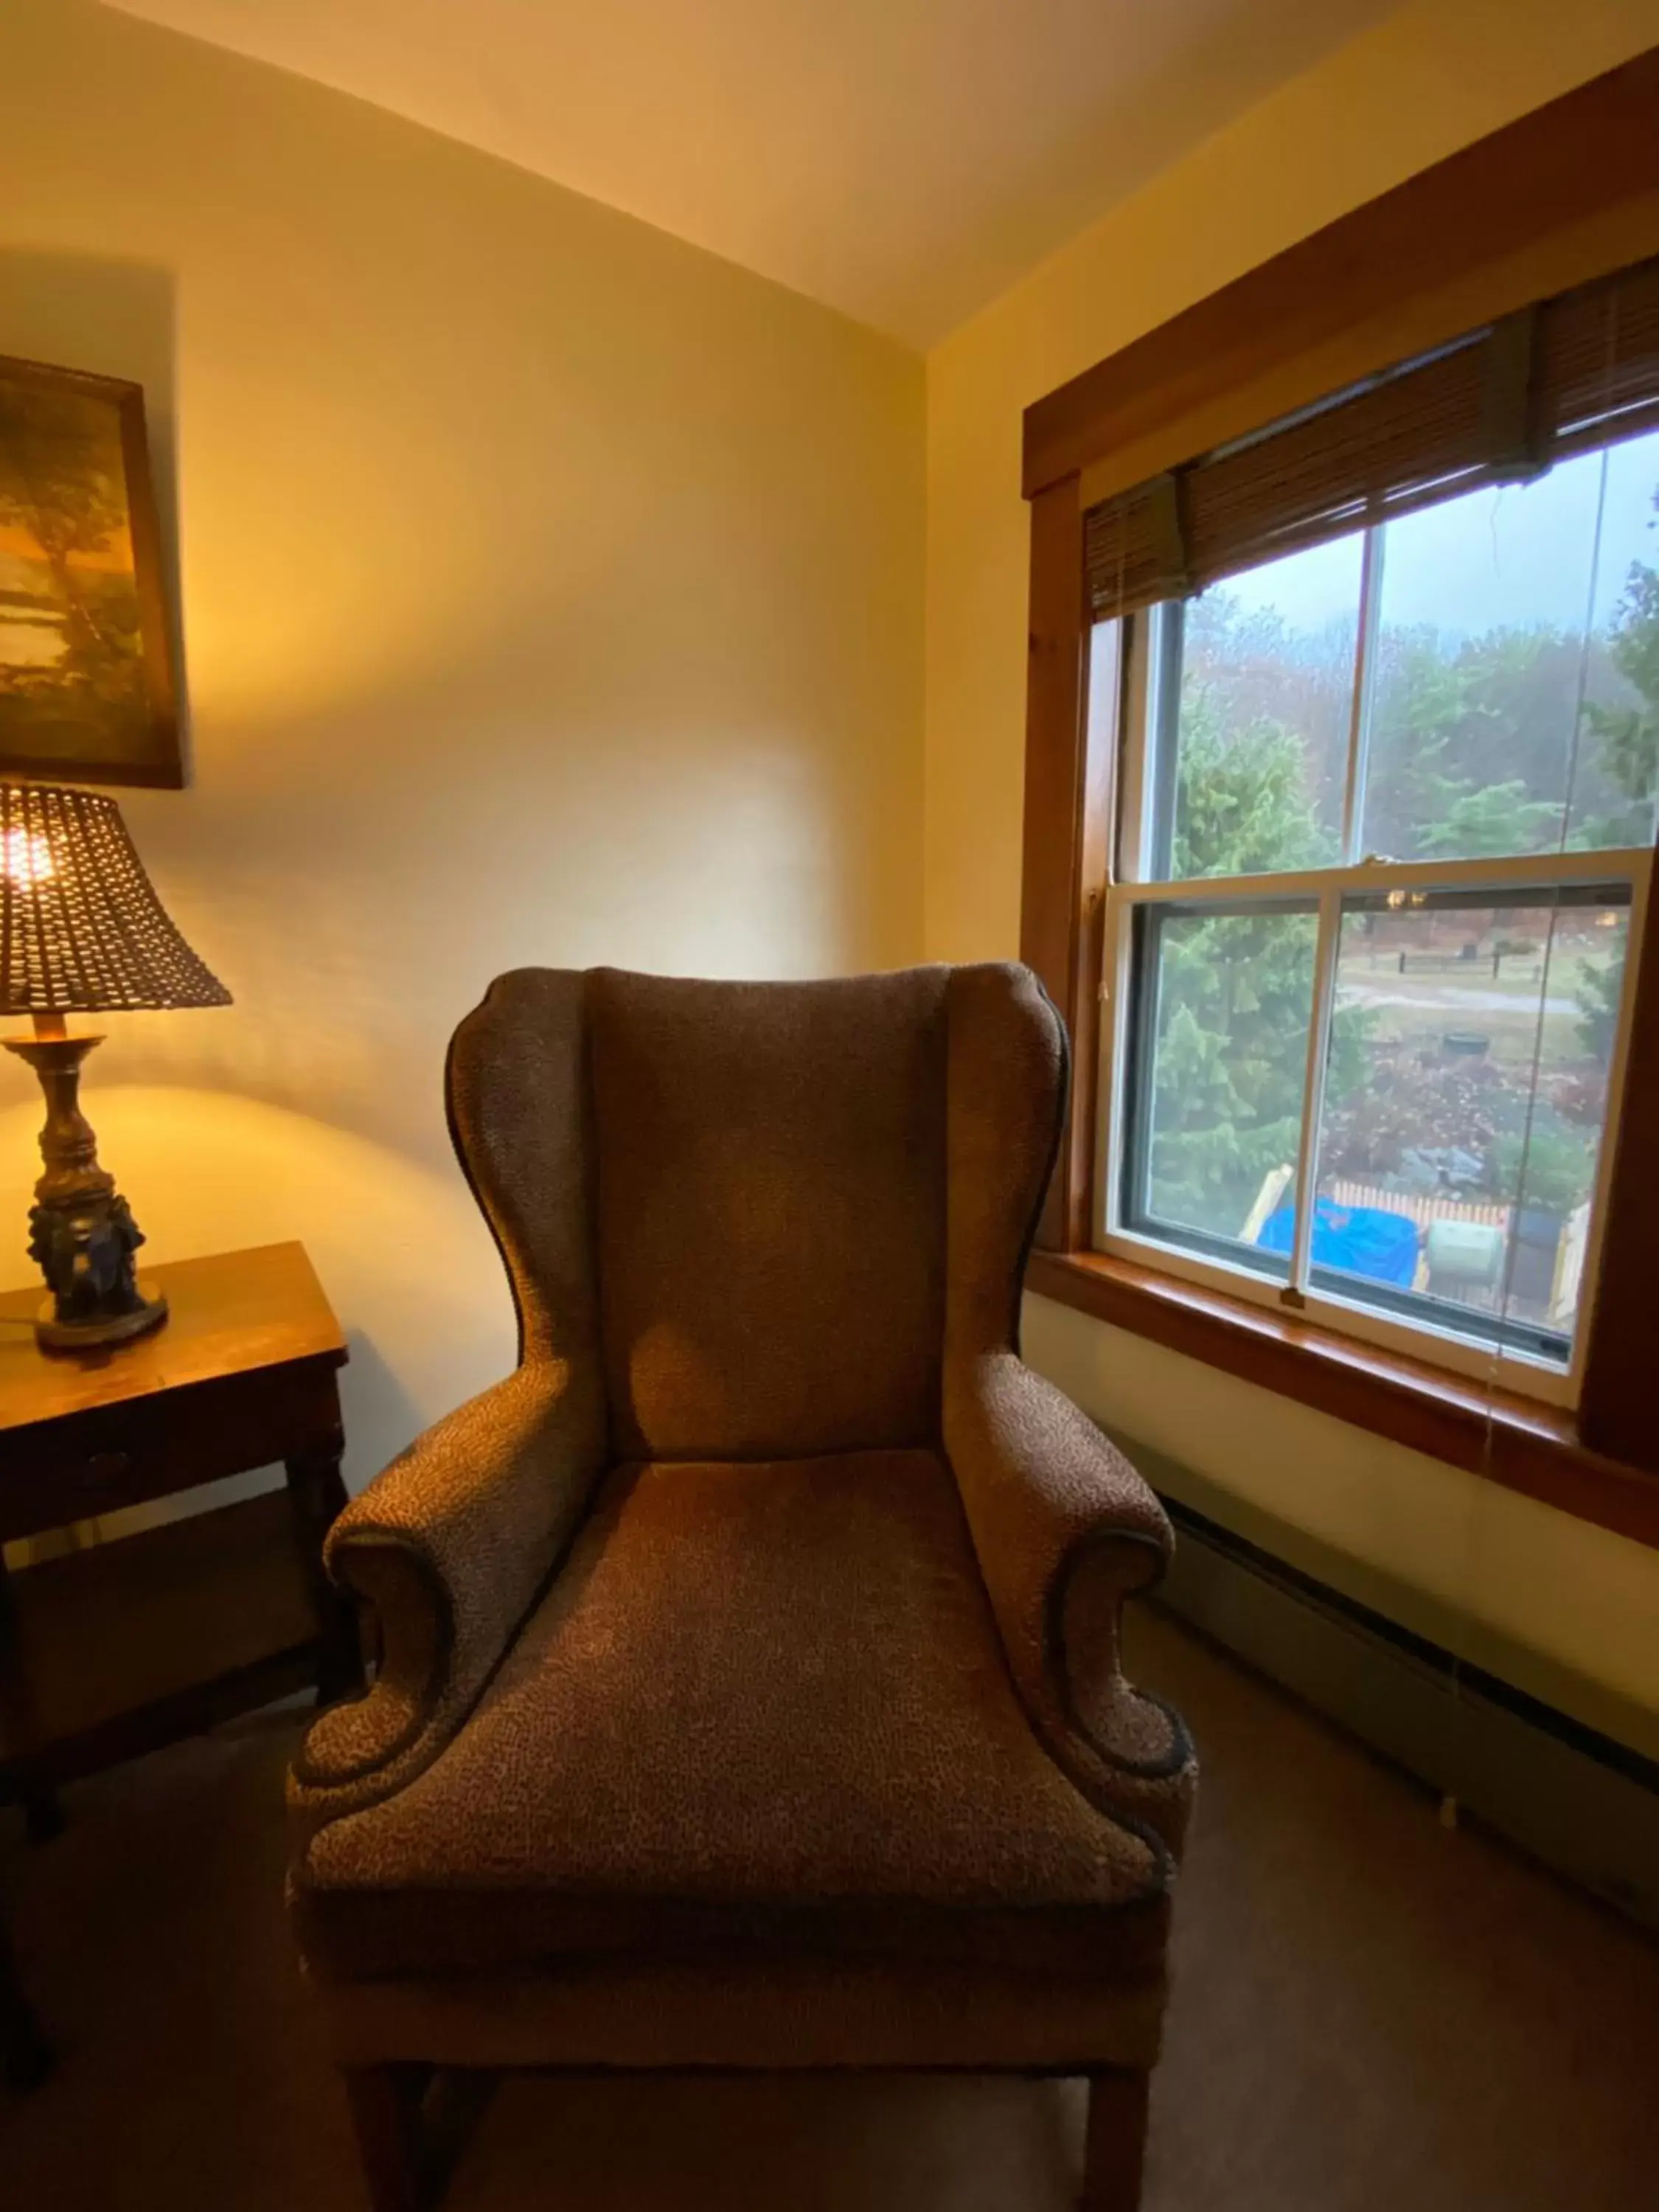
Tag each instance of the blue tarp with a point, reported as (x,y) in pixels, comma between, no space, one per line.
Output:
(1360,1240)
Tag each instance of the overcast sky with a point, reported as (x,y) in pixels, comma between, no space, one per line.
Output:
(1514,555)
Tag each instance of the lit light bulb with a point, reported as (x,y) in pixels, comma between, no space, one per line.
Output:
(25,857)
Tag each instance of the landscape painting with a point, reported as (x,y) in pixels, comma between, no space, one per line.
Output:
(86,688)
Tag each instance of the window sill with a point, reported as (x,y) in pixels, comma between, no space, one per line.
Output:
(1516,1442)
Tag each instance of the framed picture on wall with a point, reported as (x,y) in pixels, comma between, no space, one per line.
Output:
(86,663)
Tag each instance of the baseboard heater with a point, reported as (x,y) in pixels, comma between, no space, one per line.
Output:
(1582,1802)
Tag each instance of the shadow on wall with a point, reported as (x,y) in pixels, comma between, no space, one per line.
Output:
(390,1238)
(358,903)
(444,726)
(552,603)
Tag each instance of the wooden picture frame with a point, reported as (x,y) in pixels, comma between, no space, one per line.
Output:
(87,691)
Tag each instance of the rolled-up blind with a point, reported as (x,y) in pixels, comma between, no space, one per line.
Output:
(1573,373)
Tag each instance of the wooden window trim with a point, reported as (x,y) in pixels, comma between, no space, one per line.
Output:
(1563,195)
(1569,192)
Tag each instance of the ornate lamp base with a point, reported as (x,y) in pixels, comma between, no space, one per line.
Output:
(57,1335)
(81,1234)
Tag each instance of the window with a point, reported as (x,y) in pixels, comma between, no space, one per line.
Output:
(1341,703)
(1385,814)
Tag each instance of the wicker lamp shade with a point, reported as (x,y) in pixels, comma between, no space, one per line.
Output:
(82,930)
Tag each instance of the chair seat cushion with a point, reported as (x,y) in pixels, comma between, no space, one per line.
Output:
(761,1704)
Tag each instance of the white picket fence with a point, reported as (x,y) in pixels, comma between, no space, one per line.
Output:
(1422,1206)
(1426,1208)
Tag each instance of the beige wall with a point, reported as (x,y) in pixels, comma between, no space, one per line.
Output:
(551,592)
(1583,1607)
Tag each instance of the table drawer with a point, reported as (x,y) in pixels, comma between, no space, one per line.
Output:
(107,1458)
(96,1474)
(110,1461)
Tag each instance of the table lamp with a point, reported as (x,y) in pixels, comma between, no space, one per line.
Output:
(82,932)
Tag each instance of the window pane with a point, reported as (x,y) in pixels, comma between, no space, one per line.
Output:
(1465,1095)
(1515,702)
(1254,717)
(1214,1123)
(1612,798)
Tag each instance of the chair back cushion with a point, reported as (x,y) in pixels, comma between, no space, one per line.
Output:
(749,1218)
(770,1211)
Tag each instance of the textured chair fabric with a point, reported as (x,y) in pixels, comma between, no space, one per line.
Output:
(764,1702)
(767,1617)
(771,1213)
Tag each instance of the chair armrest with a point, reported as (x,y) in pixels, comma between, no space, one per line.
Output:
(452,1544)
(1064,1530)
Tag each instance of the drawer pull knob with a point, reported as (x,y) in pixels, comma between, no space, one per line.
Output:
(108,1465)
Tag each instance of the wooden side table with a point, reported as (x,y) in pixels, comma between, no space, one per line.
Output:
(126,1645)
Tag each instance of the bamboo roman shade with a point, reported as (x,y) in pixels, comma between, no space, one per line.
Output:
(1572,372)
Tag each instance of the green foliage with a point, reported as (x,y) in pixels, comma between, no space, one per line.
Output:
(1600,983)
(1629,739)
(1629,735)
(1483,825)
(1234,990)
(1241,807)
(1419,706)
(1549,1166)
(1471,740)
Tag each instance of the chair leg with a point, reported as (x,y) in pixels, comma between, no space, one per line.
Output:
(386,2116)
(1116,2142)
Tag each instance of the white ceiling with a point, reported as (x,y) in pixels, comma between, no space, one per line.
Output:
(905,160)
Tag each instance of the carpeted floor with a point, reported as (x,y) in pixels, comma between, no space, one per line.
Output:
(1370,2013)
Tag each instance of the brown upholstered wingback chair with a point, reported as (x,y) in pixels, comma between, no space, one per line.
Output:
(751,1693)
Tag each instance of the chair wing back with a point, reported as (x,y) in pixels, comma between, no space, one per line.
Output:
(1007,1079)
(522,1124)
(752,1206)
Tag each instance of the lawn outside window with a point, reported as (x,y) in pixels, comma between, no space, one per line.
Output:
(1383,840)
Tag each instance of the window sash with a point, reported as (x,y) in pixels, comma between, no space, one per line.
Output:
(1562,869)
(1148,661)
(1300,1289)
